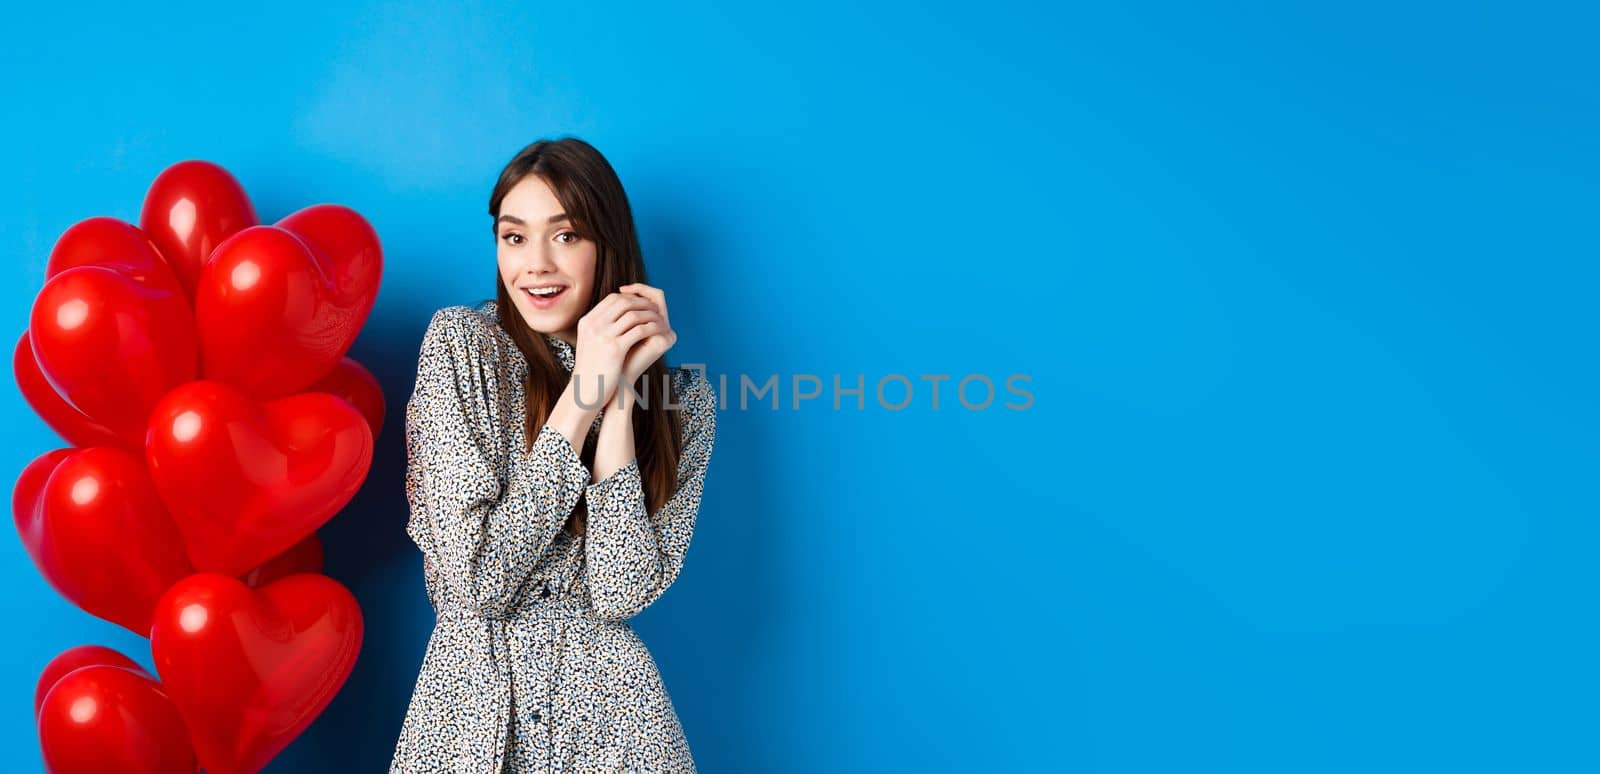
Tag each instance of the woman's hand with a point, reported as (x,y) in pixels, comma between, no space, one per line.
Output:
(652,336)
(652,347)
(606,335)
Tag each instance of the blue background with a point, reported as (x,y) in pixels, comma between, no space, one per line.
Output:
(1306,296)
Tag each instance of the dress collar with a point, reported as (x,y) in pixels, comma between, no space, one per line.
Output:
(563,351)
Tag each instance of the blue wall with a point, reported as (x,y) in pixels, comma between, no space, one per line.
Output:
(1306,297)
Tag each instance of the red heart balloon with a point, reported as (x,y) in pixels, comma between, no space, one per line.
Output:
(245,480)
(278,306)
(100,536)
(109,718)
(347,247)
(73,658)
(25,499)
(111,345)
(353,382)
(190,208)
(248,669)
(304,556)
(72,425)
(113,244)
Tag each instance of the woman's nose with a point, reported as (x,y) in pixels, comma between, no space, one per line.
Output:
(539,260)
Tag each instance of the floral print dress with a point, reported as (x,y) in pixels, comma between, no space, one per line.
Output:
(532,666)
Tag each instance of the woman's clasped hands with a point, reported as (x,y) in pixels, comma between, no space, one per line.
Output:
(617,341)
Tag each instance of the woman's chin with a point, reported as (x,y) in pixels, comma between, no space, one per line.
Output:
(545,321)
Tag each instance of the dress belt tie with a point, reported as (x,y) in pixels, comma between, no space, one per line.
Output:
(533,608)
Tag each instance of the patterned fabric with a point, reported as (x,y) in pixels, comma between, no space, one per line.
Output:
(532,665)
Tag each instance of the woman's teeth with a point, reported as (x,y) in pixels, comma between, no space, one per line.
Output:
(544,292)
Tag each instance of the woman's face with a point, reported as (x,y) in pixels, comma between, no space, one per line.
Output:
(537,248)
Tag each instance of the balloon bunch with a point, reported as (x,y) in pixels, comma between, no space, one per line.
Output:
(196,363)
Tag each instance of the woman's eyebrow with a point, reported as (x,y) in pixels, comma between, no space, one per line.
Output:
(556,218)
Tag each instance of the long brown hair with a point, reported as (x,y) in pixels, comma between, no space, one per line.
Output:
(590,192)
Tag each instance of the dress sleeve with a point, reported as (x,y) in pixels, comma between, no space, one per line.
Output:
(632,558)
(481,528)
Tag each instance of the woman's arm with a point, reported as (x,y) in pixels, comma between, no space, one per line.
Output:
(631,558)
(483,532)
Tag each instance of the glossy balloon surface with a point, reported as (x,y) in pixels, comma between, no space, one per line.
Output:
(190,208)
(250,669)
(245,480)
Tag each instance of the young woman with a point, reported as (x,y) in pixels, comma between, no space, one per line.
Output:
(550,500)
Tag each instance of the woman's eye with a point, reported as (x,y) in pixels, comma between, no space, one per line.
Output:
(572,234)
(512,235)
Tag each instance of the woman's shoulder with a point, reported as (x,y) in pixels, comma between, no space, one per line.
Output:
(461,320)
(695,395)
(691,379)
(466,335)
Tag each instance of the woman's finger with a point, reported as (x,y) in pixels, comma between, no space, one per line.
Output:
(656,295)
(653,293)
(613,305)
(632,318)
(639,332)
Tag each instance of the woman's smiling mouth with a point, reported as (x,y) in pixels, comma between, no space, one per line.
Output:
(544,296)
